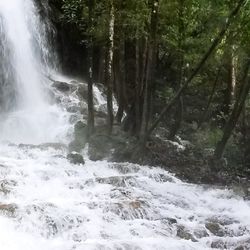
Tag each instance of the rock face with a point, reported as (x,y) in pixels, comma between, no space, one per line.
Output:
(61,86)
(75,158)
(80,137)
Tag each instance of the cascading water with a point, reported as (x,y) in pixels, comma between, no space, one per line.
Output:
(46,203)
(26,60)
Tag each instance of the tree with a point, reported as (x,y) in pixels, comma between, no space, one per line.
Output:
(91,121)
(239,104)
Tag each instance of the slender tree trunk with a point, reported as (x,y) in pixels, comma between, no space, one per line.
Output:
(119,82)
(233,119)
(91,120)
(204,116)
(150,70)
(101,73)
(109,64)
(197,69)
(137,89)
(143,66)
(231,82)
(181,39)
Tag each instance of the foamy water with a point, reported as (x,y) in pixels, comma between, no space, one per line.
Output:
(104,205)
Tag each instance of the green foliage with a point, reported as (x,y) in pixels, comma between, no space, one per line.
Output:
(186,29)
(207,138)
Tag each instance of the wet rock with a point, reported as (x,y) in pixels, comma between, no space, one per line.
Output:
(202,233)
(61,86)
(215,228)
(240,248)
(73,109)
(219,244)
(135,204)
(44,146)
(8,209)
(172,221)
(183,233)
(243,245)
(82,91)
(80,137)
(126,169)
(127,210)
(100,146)
(5,186)
(242,190)
(119,181)
(75,158)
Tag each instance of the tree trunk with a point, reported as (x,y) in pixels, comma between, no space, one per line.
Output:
(181,39)
(228,129)
(108,67)
(137,89)
(150,70)
(204,116)
(119,82)
(90,72)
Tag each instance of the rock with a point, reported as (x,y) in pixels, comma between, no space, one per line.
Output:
(215,228)
(184,234)
(99,147)
(75,158)
(61,86)
(8,209)
(119,181)
(6,185)
(202,233)
(44,146)
(82,91)
(135,204)
(240,248)
(243,245)
(219,244)
(73,109)
(172,220)
(80,136)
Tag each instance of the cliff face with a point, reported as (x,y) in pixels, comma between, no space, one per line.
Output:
(68,40)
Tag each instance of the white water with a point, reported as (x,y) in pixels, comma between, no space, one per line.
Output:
(31,118)
(54,205)
(108,206)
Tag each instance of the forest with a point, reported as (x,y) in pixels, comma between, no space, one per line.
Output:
(179,65)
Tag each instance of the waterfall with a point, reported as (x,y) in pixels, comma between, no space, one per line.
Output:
(26,60)
(48,203)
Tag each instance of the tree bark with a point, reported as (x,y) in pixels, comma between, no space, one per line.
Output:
(91,121)
(108,67)
(181,39)
(204,116)
(150,70)
(233,119)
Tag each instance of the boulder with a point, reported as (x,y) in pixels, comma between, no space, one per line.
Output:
(215,228)
(183,233)
(80,137)
(75,158)
(82,91)
(61,86)
(8,209)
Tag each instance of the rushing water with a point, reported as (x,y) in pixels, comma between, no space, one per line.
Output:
(46,203)
(27,115)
